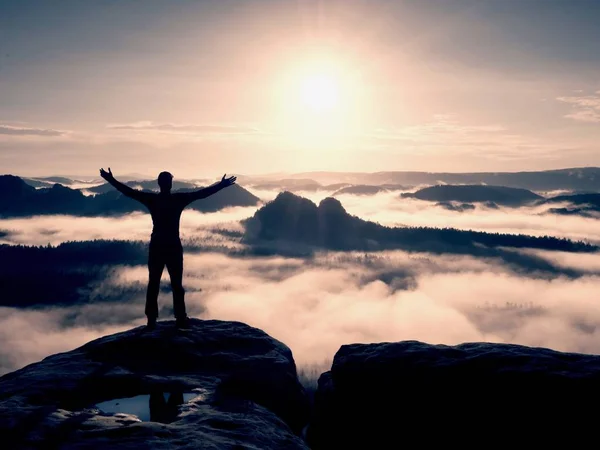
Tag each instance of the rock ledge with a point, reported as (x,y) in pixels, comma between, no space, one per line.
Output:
(249,395)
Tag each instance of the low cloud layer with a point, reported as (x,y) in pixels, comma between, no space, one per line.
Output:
(314,305)
(184,128)
(584,108)
(27,131)
(27,336)
(385,208)
(330,302)
(389,209)
(53,230)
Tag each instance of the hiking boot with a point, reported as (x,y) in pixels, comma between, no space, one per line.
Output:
(151,325)
(182,323)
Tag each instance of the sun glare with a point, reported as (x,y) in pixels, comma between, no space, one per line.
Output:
(319,92)
(320,105)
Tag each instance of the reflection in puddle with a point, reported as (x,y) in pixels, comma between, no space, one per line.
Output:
(156,407)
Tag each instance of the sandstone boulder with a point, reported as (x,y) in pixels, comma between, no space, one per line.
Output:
(247,394)
(409,394)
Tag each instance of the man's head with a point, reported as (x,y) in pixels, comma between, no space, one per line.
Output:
(165,181)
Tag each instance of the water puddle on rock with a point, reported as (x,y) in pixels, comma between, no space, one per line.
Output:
(157,407)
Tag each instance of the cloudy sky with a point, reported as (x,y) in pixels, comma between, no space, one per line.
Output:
(206,87)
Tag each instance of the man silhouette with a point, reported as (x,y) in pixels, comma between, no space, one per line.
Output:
(165,245)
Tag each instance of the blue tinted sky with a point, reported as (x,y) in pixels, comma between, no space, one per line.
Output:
(206,87)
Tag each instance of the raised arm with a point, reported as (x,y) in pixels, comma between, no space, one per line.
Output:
(210,190)
(123,188)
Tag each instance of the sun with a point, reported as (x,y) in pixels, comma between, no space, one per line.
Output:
(319,103)
(319,92)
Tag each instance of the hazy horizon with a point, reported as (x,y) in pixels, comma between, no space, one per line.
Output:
(274,175)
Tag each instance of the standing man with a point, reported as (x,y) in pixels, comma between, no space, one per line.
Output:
(165,245)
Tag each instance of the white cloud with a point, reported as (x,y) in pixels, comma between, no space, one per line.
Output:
(385,208)
(197,129)
(315,305)
(585,108)
(10,130)
(445,134)
(391,210)
(27,336)
(586,263)
(43,230)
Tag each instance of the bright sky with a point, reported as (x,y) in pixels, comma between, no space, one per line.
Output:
(201,88)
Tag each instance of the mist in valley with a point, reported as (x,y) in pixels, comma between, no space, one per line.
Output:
(317,302)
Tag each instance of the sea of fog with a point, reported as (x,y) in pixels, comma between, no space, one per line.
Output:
(315,304)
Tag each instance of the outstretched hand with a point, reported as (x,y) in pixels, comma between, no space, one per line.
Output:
(106,175)
(227,181)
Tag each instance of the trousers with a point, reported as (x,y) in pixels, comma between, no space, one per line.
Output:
(159,256)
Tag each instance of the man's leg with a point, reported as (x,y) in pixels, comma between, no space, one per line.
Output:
(175,268)
(156,265)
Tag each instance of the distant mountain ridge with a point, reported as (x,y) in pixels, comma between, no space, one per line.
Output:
(501,195)
(586,205)
(19,199)
(578,199)
(367,189)
(296,219)
(572,179)
(148,185)
(583,178)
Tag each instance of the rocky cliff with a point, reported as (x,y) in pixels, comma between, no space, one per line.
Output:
(475,395)
(226,385)
(243,383)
